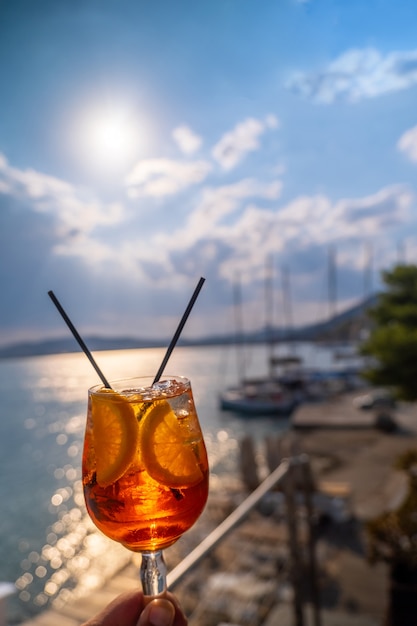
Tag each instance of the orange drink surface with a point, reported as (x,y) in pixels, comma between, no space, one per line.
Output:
(145,468)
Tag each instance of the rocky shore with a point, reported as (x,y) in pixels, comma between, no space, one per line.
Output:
(246,580)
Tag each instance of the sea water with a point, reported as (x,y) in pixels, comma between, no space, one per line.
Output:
(48,546)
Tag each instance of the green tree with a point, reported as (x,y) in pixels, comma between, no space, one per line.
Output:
(392,343)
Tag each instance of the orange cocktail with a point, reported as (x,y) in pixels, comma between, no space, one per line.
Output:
(145,469)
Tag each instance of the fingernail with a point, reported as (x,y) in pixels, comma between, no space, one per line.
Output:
(161,614)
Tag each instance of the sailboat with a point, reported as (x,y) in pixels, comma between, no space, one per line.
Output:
(276,394)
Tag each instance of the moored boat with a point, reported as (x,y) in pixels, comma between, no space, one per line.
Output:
(259,397)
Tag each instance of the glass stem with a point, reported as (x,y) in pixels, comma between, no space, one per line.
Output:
(153,573)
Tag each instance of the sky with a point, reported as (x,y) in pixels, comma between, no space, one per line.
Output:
(146,144)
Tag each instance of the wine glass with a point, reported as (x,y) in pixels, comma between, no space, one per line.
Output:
(145,467)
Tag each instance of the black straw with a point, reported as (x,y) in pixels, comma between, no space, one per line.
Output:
(179,329)
(78,338)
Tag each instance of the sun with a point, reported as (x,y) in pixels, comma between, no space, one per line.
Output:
(107,138)
(110,137)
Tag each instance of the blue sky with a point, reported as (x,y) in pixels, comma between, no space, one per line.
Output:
(146,144)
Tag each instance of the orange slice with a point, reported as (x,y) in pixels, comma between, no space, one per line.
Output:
(115,434)
(168,457)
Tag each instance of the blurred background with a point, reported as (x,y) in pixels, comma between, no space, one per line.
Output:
(270,147)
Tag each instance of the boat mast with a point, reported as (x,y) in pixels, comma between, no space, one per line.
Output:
(269,313)
(332,284)
(237,297)
(364,328)
(286,303)
(367,278)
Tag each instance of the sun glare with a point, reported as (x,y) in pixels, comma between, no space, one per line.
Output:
(111,136)
(107,139)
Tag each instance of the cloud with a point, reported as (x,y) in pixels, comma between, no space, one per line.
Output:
(230,233)
(72,210)
(222,234)
(218,203)
(316,219)
(317,222)
(373,214)
(356,75)
(55,219)
(244,138)
(66,236)
(32,184)
(187,141)
(164,177)
(407,144)
(229,218)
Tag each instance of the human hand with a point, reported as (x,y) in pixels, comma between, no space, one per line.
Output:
(133,609)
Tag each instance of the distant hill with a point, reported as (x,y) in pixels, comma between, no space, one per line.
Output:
(68,344)
(345,326)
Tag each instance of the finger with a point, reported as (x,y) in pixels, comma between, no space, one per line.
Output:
(158,612)
(180,619)
(123,611)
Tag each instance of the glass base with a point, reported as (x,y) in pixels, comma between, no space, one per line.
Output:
(153,573)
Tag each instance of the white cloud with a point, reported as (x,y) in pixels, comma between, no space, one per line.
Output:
(226,234)
(187,141)
(164,177)
(385,207)
(73,210)
(408,144)
(309,222)
(64,218)
(244,138)
(91,250)
(38,186)
(300,232)
(218,203)
(316,220)
(231,228)
(242,234)
(356,75)
(225,218)
(230,232)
